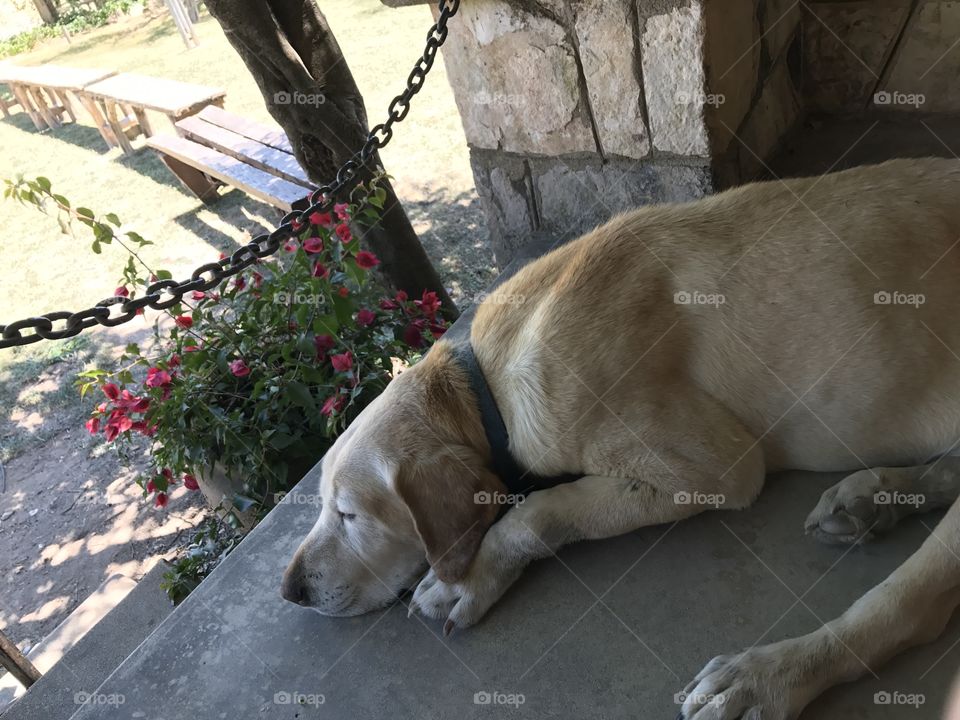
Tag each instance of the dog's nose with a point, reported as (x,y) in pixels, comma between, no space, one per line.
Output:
(293,589)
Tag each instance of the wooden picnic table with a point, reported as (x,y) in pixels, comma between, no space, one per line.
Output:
(123,100)
(43,91)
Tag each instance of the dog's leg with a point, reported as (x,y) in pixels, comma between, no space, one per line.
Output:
(725,469)
(775,682)
(873,501)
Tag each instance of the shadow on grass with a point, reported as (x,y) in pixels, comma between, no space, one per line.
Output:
(82,136)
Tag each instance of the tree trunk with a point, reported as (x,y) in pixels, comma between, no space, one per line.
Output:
(48,11)
(291,52)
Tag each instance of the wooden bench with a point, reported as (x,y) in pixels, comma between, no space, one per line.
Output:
(43,92)
(123,101)
(219,148)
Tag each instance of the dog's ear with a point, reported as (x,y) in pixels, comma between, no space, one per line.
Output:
(453,502)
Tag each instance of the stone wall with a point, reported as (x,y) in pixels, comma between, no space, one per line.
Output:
(575,110)
(878,56)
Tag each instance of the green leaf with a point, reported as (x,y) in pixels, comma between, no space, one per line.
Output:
(111,217)
(43,183)
(300,394)
(61,200)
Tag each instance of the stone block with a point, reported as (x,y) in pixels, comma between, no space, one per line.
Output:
(779,20)
(515,80)
(675,82)
(608,50)
(773,117)
(923,74)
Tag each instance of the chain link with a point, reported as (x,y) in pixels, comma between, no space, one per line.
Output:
(166,293)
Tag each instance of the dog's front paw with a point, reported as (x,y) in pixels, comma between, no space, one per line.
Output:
(854,509)
(759,684)
(462,603)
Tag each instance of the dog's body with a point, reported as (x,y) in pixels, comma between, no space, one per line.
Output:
(673,357)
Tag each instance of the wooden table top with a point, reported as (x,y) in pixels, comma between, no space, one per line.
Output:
(167,96)
(53,76)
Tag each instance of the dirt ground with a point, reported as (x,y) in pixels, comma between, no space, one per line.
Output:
(70,515)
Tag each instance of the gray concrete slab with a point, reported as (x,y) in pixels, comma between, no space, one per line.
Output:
(679,596)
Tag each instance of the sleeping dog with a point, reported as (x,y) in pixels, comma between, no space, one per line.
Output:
(678,351)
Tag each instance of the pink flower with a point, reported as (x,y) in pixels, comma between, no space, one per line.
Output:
(313,245)
(342,363)
(161,500)
(93,425)
(174,360)
(388,304)
(367,260)
(111,432)
(184,321)
(290,246)
(366,317)
(111,391)
(121,292)
(333,404)
(341,210)
(157,377)
(198,295)
(239,368)
(191,348)
(190,482)
(320,270)
(296,225)
(343,232)
(324,219)
(429,304)
(343,291)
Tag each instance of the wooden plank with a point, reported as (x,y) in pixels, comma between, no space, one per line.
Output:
(99,121)
(194,180)
(255,182)
(23,97)
(53,76)
(170,97)
(16,664)
(252,152)
(116,125)
(274,137)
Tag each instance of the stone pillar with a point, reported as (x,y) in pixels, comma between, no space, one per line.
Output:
(575,110)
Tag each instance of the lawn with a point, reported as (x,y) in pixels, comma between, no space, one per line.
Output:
(45,270)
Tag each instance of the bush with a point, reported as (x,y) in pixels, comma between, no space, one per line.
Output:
(76,20)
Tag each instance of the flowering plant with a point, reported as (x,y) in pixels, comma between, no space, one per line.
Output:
(260,375)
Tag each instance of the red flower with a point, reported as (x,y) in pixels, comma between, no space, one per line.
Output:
(313,245)
(343,292)
(324,219)
(161,500)
(342,363)
(343,232)
(151,486)
(239,368)
(366,317)
(290,246)
(167,474)
(111,391)
(401,296)
(121,292)
(184,321)
(190,482)
(323,344)
(367,260)
(341,210)
(388,304)
(333,404)
(320,270)
(174,360)
(257,279)
(223,256)
(296,225)
(157,377)
(240,282)
(413,334)
(429,304)
(128,402)
(198,295)
(111,432)
(93,425)
(191,348)
(438,328)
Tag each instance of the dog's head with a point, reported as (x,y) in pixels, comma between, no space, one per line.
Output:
(400,492)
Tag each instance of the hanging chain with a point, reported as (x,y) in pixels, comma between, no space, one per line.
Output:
(166,293)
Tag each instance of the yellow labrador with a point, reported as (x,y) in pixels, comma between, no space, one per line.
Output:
(672,358)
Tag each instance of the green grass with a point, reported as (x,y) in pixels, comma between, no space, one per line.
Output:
(44,270)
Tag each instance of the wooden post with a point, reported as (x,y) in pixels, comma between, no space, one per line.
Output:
(182,21)
(16,664)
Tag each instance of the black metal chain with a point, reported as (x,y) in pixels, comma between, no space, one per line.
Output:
(166,293)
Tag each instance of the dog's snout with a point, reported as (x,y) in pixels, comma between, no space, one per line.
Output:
(293,588)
